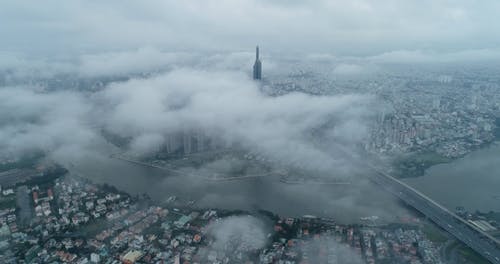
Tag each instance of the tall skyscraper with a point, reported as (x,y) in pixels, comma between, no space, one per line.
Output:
(257,67)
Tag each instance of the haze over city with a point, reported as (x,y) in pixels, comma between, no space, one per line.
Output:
(249,131)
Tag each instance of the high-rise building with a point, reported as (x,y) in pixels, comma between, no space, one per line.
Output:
(257,67)
(187,143)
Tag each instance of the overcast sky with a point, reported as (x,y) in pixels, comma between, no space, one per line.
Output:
(347,27)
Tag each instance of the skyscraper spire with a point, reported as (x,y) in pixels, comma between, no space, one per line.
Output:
(257,67)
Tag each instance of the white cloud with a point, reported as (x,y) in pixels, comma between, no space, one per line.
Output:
(419,56)
(226,105)
(50,122)
(340,253)
(244,232)
(230,105)
(123,63)
(241,234)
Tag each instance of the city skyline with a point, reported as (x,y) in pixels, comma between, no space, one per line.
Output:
(149,132)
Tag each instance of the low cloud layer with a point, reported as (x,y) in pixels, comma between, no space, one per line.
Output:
(326,247)
(229,106)
(222,104)
(142,60)
(238,232)
(54,123)
(214,95)
(238,237)
(425,57)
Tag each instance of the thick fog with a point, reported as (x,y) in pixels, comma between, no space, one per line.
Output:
(223,104)
(34,121)
(245,232)
(145,70)
(231,106)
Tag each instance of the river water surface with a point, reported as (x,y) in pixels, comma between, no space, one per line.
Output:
(472,181)
(344,203)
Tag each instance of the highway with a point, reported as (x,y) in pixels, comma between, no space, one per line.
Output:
(484,244)
(481,242)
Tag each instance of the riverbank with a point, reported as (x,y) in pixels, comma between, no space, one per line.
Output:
(216,177)
(416,164)
(471,181)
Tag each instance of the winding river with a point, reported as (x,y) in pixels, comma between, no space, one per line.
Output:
(344,203)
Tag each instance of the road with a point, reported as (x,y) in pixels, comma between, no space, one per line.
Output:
(215,178)
(484,244)
(481,242)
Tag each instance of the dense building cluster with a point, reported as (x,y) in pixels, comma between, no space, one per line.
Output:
(74,221)
(450,112)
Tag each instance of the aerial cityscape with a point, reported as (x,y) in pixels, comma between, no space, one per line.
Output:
(250,132)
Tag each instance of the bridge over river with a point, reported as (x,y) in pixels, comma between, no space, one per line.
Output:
(481,242)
